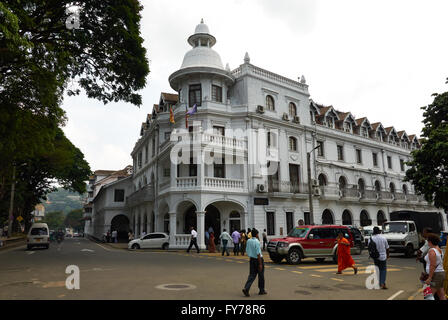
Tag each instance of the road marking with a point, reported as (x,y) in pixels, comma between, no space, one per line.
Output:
(317,267)
(30,252)
(396,295)
(281,269)
(87,250)
(316,276)
(335,279)
(415,294)
(107,249)
(409,268)
(298,272)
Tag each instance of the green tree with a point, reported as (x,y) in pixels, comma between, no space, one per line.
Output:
(74,219)
(55,220)
(429,166)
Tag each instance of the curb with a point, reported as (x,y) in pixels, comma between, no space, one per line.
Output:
(8,244)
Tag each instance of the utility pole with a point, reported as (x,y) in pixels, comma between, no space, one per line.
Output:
(11,203)
(310,194)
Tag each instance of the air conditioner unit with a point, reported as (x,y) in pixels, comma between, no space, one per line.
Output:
(296,119)
(285,117)
(316,191)
(260,109)
(261,188)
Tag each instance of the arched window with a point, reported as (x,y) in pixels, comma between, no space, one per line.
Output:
(380,218)
(392,188)
(322,180)
(405,189)
(292,144)
(270,103)
(292,110)
(327,217)
(342,183)
(361,185)
(364,219)
(377,186)
(346,218)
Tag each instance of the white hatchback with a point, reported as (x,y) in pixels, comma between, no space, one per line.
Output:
(39,235)
(151,240)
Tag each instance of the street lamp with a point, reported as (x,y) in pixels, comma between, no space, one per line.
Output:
(310,195)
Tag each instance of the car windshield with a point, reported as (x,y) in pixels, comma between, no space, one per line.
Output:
(39,232)
(367,232)
(395,228)
(298,232)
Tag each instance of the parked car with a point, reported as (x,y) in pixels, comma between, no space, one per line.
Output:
(367,231)
(151,240)
(39,235)
(309,241)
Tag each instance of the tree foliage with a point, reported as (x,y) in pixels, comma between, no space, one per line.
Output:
(429,166)
(74,220)
(55,220)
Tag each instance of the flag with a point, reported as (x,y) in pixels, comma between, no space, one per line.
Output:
(171,115)
(189,113)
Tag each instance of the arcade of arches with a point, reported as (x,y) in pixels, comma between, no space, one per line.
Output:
(347,218)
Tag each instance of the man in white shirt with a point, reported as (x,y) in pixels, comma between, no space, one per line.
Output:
(114,236)
(423,251)
(383,249)
(194,240)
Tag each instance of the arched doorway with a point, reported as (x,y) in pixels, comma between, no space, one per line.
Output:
(213,219)
(380,218)
(364,219)
(190,219)
(166,223)
(327,217)
(121,224)
(346,218)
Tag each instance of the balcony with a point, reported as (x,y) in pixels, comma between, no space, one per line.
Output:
(224,142)
(224,184)
(146,194)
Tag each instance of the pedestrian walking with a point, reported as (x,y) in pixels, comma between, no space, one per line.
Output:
(194,240)
(108,235)
(265,239)
(236,242)
(256,264)
(345,259)
(143,234)
(249,233)
(130,235)
(382,248)
(207,239)
(434,266)
(211,243)
(225,240)
(243,241)
(445,267)
(423,251)
(115,236)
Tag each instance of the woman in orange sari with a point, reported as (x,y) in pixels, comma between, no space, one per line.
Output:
(211,244)
(345,259)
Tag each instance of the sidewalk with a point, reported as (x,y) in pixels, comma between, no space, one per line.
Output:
(11,242)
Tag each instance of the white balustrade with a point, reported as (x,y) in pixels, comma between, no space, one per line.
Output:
(223,141)
(223,183)
(182,240)
(187,182)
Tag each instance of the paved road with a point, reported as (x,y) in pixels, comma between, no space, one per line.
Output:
(109,273)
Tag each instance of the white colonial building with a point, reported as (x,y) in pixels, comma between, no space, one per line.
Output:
(243,156)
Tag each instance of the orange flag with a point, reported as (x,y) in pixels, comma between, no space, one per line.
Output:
(171,115)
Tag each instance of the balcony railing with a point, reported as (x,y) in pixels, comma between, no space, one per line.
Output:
(411,197)
(399,196)
(223,183)
(187,182)
(223,141)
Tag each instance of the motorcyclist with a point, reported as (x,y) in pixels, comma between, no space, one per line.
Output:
(60,236)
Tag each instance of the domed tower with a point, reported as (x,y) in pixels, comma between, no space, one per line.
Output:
(202,79)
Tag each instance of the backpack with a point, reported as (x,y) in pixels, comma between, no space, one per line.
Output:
(373,251)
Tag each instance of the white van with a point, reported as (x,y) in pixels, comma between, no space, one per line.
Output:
(39,235)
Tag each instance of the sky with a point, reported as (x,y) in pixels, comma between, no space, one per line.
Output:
(377,59)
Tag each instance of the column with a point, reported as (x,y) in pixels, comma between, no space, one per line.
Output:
(173,174)
(283,161)
(173,226)
(246,220)
(200,222)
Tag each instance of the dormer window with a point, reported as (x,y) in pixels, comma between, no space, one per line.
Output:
(364,132)
(347,127)
(329,122)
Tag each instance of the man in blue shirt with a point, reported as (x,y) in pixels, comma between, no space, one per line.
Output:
(256,264)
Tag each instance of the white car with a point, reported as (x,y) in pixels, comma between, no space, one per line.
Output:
(151,240)
(367,232)
(39,235)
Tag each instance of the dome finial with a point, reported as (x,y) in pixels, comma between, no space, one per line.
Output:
(202,20)
(246,58)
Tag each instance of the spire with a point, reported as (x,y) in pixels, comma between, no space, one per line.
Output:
(302,79)
(246,58)
(227,67)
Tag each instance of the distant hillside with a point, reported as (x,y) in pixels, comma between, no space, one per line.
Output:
(63,200)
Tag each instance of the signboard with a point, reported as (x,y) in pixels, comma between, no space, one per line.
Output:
(19,218)
(261,201)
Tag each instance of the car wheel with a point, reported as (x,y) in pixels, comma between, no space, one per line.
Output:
(320,259)
(335,257)
(409,251)
(294,256)
(135,246)
(165,246)
(28,247)
(276,258)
